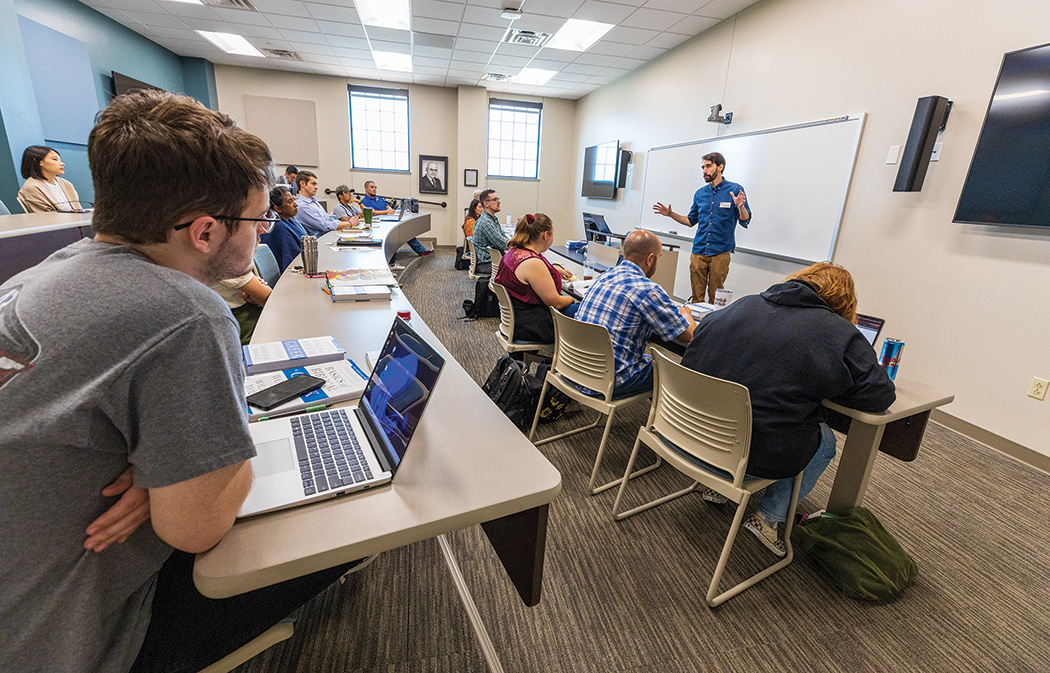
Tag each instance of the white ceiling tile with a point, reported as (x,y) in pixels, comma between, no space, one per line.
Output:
(582,69)
(472,44)
(206,24)
(607,48)
(433,52)
(465,72)
(667,40)
(359,62)
(653,19)
(684,6)
(393,47)
(538,23)
(694,25)
(723,9)
(116,14)
(635,36)
(347,42)
(629,64)
(429,62)
(560,55)
(470,56)
(455,81)
(294,66)
(510,61)
(603,12)
(296,23)
(427,70)
(518,50)
(273,44)
(485,16)
(479,32)
(363,52)
(564,8)
(389,35)
(436,9)
(266,32)
(368,73)
(433,40)
(303,36)
(646,53)
(615,72)
(322,58)
(153,20)
(310,48)
(181,9)
(569,77)
(595,59)
(431,80)
(497,4)
(345,29)
(337,70)
(426,25)
(546,65)
(176,33)
(285,7)
(326,13)
(235,16)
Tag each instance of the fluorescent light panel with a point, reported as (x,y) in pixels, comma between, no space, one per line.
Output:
(189,2)
(231,44)
(388,60)
(578,35)
(385,13)
(536,76)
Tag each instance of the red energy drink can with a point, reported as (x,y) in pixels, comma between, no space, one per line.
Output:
(891,356)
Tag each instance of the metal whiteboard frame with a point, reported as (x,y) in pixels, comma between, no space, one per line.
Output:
(860,117)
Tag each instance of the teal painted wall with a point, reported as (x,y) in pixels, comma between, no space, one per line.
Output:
(111,46)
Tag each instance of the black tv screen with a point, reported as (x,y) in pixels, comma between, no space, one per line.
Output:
(600,168)
(1009,179)
(123,84)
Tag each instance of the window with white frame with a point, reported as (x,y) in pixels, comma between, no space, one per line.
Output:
(379,128)
(514,138)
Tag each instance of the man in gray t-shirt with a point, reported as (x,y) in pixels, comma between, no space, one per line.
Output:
(123,429)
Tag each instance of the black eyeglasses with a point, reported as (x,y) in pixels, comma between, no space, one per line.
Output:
(264,223)
(494,198)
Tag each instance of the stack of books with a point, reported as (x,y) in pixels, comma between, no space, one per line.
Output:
(359,284)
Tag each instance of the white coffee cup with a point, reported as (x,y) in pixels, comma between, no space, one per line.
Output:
(723,297)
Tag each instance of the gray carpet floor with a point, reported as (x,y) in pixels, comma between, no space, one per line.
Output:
(629,596)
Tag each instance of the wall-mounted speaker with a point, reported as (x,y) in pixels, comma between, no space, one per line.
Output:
(931,114)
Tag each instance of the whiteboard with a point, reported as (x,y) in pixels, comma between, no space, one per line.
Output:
(795,177)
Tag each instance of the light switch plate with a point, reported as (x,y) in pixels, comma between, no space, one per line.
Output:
(895,151)
(936,156)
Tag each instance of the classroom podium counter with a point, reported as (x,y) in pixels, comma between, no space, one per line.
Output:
(494,477)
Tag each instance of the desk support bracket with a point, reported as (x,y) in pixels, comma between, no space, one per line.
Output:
(488,650)
(520,541)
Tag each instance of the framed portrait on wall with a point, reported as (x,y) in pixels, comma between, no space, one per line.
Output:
(470,177)
(433,174)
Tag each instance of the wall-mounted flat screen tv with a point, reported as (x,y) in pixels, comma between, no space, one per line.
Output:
(604,170)
(123,84)
(1009,179)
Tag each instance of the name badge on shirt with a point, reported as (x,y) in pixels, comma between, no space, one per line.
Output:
(725,204)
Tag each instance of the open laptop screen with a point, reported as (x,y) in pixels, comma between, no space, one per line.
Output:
(870,327)
(400,387)
(595,221)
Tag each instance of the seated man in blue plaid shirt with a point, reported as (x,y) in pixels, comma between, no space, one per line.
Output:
(633,308)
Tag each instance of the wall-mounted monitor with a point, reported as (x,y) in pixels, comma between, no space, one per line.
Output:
(123,84)
(1009,179)
(604,170)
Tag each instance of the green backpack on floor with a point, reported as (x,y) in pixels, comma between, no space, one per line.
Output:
(861,557)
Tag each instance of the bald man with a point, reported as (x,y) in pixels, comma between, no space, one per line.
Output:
(632,307)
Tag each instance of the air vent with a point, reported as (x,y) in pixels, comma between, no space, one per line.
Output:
(499,77)
(242,5)
(527,37)
(283,54)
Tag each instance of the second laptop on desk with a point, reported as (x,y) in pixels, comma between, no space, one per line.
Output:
(311,457)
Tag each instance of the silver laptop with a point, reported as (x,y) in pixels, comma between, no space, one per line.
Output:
(870,326)
(321,455)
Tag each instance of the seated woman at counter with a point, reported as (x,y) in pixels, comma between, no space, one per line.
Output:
(285,239)
(531,281)
(473,213)
(44,191)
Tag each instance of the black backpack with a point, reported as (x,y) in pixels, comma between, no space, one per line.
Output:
(461,264)
(514,390)
(485,303)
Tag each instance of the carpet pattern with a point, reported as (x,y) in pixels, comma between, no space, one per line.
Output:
(629,596)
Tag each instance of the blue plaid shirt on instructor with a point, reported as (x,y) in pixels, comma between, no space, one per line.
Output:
(632,308)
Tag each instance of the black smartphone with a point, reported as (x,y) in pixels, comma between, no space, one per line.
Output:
(278,394)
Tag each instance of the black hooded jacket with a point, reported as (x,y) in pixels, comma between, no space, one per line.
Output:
(792,352)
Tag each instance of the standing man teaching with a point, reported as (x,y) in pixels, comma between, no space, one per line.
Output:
(717,208)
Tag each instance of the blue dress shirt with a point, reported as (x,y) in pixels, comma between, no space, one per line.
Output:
(717,216)
(313,217)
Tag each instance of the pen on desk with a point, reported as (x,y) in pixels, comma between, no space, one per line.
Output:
(316,407)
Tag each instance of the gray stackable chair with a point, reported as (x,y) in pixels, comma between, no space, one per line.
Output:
(583,354)
(474,275)
(267,265)
(3,209)
(496,256)
(505,333)
(698,420)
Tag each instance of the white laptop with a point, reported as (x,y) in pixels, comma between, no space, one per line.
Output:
(321,455)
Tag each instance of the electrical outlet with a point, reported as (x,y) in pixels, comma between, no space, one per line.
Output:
(1038,389)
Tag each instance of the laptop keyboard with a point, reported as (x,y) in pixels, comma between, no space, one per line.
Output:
(329,454)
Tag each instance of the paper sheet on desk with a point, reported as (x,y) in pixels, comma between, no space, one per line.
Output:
(702,309)
(580,287)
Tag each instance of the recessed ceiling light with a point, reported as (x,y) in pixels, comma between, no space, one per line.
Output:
(388,60)
(189,2)
(578,35)
(535,76)
(231,43)
(385,13)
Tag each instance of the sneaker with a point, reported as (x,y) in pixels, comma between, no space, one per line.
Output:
(426,252)
(711,495)
(766,534)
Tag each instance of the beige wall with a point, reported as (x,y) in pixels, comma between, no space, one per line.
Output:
(443,121)
(970,301)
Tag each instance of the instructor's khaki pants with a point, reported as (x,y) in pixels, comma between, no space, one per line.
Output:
(707,274)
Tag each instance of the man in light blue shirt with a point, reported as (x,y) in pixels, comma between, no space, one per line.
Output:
(379,206)
(312,214)
(718,207)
